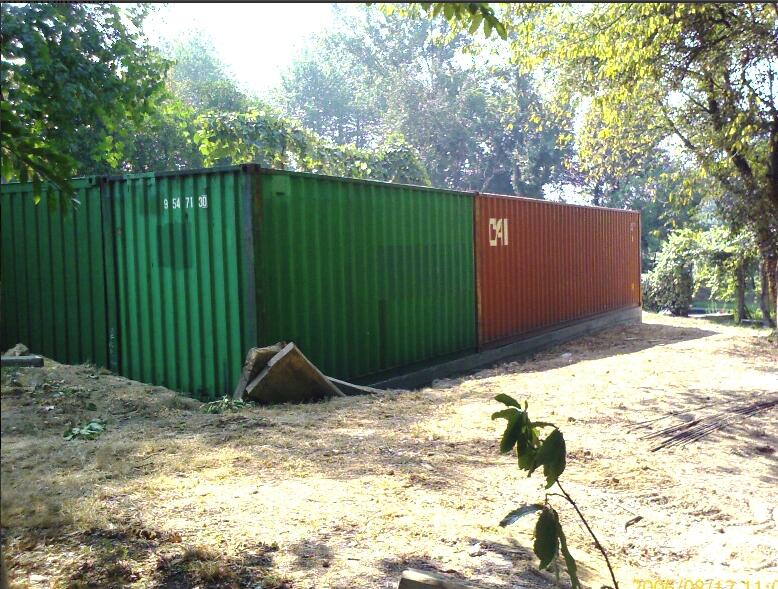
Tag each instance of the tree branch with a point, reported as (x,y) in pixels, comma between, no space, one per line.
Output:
(685,140)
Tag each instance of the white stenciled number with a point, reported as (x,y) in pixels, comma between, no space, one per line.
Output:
(498,232)
(187,202)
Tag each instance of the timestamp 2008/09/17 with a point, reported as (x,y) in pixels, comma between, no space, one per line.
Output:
(690,583)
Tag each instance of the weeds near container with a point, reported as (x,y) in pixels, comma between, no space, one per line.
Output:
(66,392)
(224,405)
(550,453)
(87,431)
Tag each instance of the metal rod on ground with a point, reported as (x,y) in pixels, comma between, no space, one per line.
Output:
(702,432)
(641,424)
(695,431)
(703,420)
(21,361)
(713,423)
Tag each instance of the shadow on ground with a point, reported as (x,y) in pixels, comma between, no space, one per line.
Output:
(519,570)
(627,339)
(119,557)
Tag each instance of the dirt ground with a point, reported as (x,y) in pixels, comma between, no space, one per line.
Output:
(350,492)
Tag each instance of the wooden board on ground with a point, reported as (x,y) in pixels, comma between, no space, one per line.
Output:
(256,360)
(351,390)
(289,377)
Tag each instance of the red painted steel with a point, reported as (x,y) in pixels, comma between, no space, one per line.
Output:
(542,263)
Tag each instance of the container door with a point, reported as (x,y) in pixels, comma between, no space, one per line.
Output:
(182,270)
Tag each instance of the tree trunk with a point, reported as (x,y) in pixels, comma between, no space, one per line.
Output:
(775,292)
(597,194)
(740,292)
(771,257)
(769,253)
(764,296)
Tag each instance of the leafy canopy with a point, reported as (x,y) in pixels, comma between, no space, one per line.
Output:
(265,137)
(72,75)
(476,121)
(696,76)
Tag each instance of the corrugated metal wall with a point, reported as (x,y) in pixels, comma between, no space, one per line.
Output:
(169,278)
(183,269)
(541,263)
(53,277)
(364,276)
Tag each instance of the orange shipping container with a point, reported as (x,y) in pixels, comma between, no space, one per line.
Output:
(540,264)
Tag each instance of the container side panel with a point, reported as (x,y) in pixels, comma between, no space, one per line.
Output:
(541,264)
(364,277)
(53,279)
(178,259)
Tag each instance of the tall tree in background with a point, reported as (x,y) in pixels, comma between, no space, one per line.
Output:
(201,80)
(197,83)
(324,90)
(476,125)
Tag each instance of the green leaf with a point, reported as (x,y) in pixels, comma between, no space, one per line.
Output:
(90,431)
(572,568)
(546,537)
(520,512)
(527,459)
(507,400)
(487,27)
(551,455)
(537,424)
(475,23)
(512,430)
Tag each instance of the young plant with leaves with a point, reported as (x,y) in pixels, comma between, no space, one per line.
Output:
(87,431)
(532,452)
(225,405)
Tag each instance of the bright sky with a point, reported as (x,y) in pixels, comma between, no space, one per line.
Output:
(254,40)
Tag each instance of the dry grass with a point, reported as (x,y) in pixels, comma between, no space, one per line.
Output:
(353,490)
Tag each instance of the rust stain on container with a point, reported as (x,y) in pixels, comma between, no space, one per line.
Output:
(541,263)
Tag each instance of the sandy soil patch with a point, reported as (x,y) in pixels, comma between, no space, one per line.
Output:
(350,492)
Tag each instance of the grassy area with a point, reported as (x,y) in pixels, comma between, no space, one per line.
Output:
(754,312)
(350,492)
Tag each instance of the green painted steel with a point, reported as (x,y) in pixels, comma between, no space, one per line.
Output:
(364,277)
(169,278)
(53,278)
(183,268)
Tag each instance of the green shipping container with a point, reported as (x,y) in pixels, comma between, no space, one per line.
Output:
(54,286)
(367,278)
